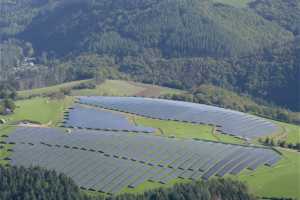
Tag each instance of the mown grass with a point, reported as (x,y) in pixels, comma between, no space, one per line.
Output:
(184,130)
(282,180)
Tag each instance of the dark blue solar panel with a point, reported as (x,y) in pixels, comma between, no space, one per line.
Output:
(93,118)
(222,163)
(230,122)
(101,160)
(252,157)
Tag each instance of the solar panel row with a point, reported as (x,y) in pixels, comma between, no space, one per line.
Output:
(108,161)
(228,121)
(89,169)
(99,119)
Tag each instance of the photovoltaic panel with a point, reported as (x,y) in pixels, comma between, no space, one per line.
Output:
(228,121)
(93,118)
(89,157)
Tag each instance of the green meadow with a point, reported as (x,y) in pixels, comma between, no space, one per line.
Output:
(282,180)
(39,110)
(185,130)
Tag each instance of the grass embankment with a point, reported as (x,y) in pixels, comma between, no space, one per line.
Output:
(185,130)
(282,180)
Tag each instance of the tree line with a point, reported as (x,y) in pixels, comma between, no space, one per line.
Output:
(18,183)
(281,143)
(7,96)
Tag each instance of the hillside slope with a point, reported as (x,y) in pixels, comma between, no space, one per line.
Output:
(249,47)
(284,12)
(174,28)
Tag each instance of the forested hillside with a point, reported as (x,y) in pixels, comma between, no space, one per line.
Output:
(252,49)
(174,28)
(284,12)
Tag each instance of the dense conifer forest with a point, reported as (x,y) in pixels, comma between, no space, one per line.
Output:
(252,50)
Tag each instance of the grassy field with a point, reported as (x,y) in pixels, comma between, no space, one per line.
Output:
(154,90)
(184,130)
(289,132)
(124,88)
(39,110)
(49,90)
(283,180)
(108,88)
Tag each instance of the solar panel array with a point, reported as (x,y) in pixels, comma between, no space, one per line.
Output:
(109,161)
(229,121)
(99,119)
